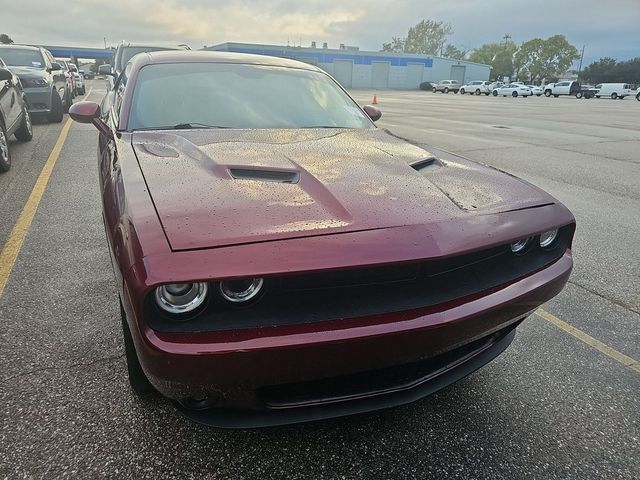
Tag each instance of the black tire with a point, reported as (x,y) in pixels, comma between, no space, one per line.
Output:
(462,91)
(435,90)
(5,153)
(137,378)
(597,96)
(614,95)
(556,96)
(495,93)
(514,94)
(538,94)
(547,93)
(621,97)
(638,97)
(477,91)
(487,93)
(446,90)
(25,132)
(56,108)
(579,95)
(68,101)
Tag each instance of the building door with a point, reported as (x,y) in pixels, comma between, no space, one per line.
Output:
(379,74)
(343,72)
(414,75)
(457,73)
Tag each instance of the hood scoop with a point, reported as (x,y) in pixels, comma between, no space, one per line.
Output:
(425,163)
(265,175)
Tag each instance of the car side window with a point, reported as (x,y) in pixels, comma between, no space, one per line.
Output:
(120,87)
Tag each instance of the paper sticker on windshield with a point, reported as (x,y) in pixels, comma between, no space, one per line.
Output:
(353,110)
(36,64)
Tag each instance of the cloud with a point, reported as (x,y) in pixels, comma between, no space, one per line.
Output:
(610,31)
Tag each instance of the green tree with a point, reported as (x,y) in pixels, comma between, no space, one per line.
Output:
(4,38)
(498,55)
(396,45)
(427,37)
(538,59)
(450,51)
(609,70)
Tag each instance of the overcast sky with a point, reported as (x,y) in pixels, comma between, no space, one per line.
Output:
(607,28)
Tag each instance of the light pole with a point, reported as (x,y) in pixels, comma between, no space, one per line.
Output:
(581,57)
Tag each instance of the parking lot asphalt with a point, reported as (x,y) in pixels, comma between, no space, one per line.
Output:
(551,406)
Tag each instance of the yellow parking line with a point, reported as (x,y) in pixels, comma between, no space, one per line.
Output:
(589,340)
(13,246)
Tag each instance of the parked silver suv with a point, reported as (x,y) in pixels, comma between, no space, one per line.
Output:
(43,80)
(446,86)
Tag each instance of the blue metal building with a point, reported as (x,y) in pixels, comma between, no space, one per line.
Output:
(360,69)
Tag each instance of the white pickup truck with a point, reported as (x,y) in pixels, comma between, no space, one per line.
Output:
(561,88)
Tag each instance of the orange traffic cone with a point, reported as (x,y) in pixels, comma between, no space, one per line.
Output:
(375,100)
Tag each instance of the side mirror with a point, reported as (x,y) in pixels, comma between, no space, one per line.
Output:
(373,112)
(5,75)
(54,67)
(89,112)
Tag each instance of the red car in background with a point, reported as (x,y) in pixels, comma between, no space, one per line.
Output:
(280,259)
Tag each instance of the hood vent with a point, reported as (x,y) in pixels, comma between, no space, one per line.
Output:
(264,175)
(427,162)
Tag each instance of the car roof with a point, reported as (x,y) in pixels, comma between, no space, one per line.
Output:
(187,56)
(23,47)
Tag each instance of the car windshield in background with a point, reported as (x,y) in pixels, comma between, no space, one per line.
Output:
(129,52)
(22,57)
(226,95)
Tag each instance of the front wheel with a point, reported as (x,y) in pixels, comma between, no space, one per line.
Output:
(137,378)
(514,94)
(495,93)
(547,93)
(5,154)
(638,97)
(462,91)
(56,108)
(434,90)
(25,132)
(579,95)
(477,91)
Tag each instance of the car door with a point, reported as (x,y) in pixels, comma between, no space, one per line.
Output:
(9,102)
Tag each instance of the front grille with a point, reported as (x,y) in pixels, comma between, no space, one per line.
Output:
(374,382)
(360,292)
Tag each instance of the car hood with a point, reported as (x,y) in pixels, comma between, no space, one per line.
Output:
(28,72)
(226,187)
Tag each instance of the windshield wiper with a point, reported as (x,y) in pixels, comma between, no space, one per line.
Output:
(186,126)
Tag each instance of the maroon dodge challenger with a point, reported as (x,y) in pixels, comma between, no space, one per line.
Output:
(280,259)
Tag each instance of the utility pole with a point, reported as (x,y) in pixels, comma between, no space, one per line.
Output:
(105,42)
(506,38)
(581,57)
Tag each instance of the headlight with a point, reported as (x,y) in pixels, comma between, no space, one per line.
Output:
(238,291)
(548,238)
(520,246)
(181,297)
(33,82)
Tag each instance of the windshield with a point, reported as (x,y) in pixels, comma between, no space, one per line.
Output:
(22,57)
(127,53)
(240,96)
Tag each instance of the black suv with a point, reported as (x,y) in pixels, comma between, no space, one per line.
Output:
(43,80)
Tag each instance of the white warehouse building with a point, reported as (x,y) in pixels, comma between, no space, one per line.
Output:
(359,69)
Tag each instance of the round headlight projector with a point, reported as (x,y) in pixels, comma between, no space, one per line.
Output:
(181,297)
(239,291)
(547,238)
(520,246)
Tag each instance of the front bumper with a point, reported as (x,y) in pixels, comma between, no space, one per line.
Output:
(237,375)
(39,99)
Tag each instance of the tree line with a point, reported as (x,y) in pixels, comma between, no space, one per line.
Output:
(535,60)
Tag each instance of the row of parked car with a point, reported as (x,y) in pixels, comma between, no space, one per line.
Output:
(33,83)
(520,89)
